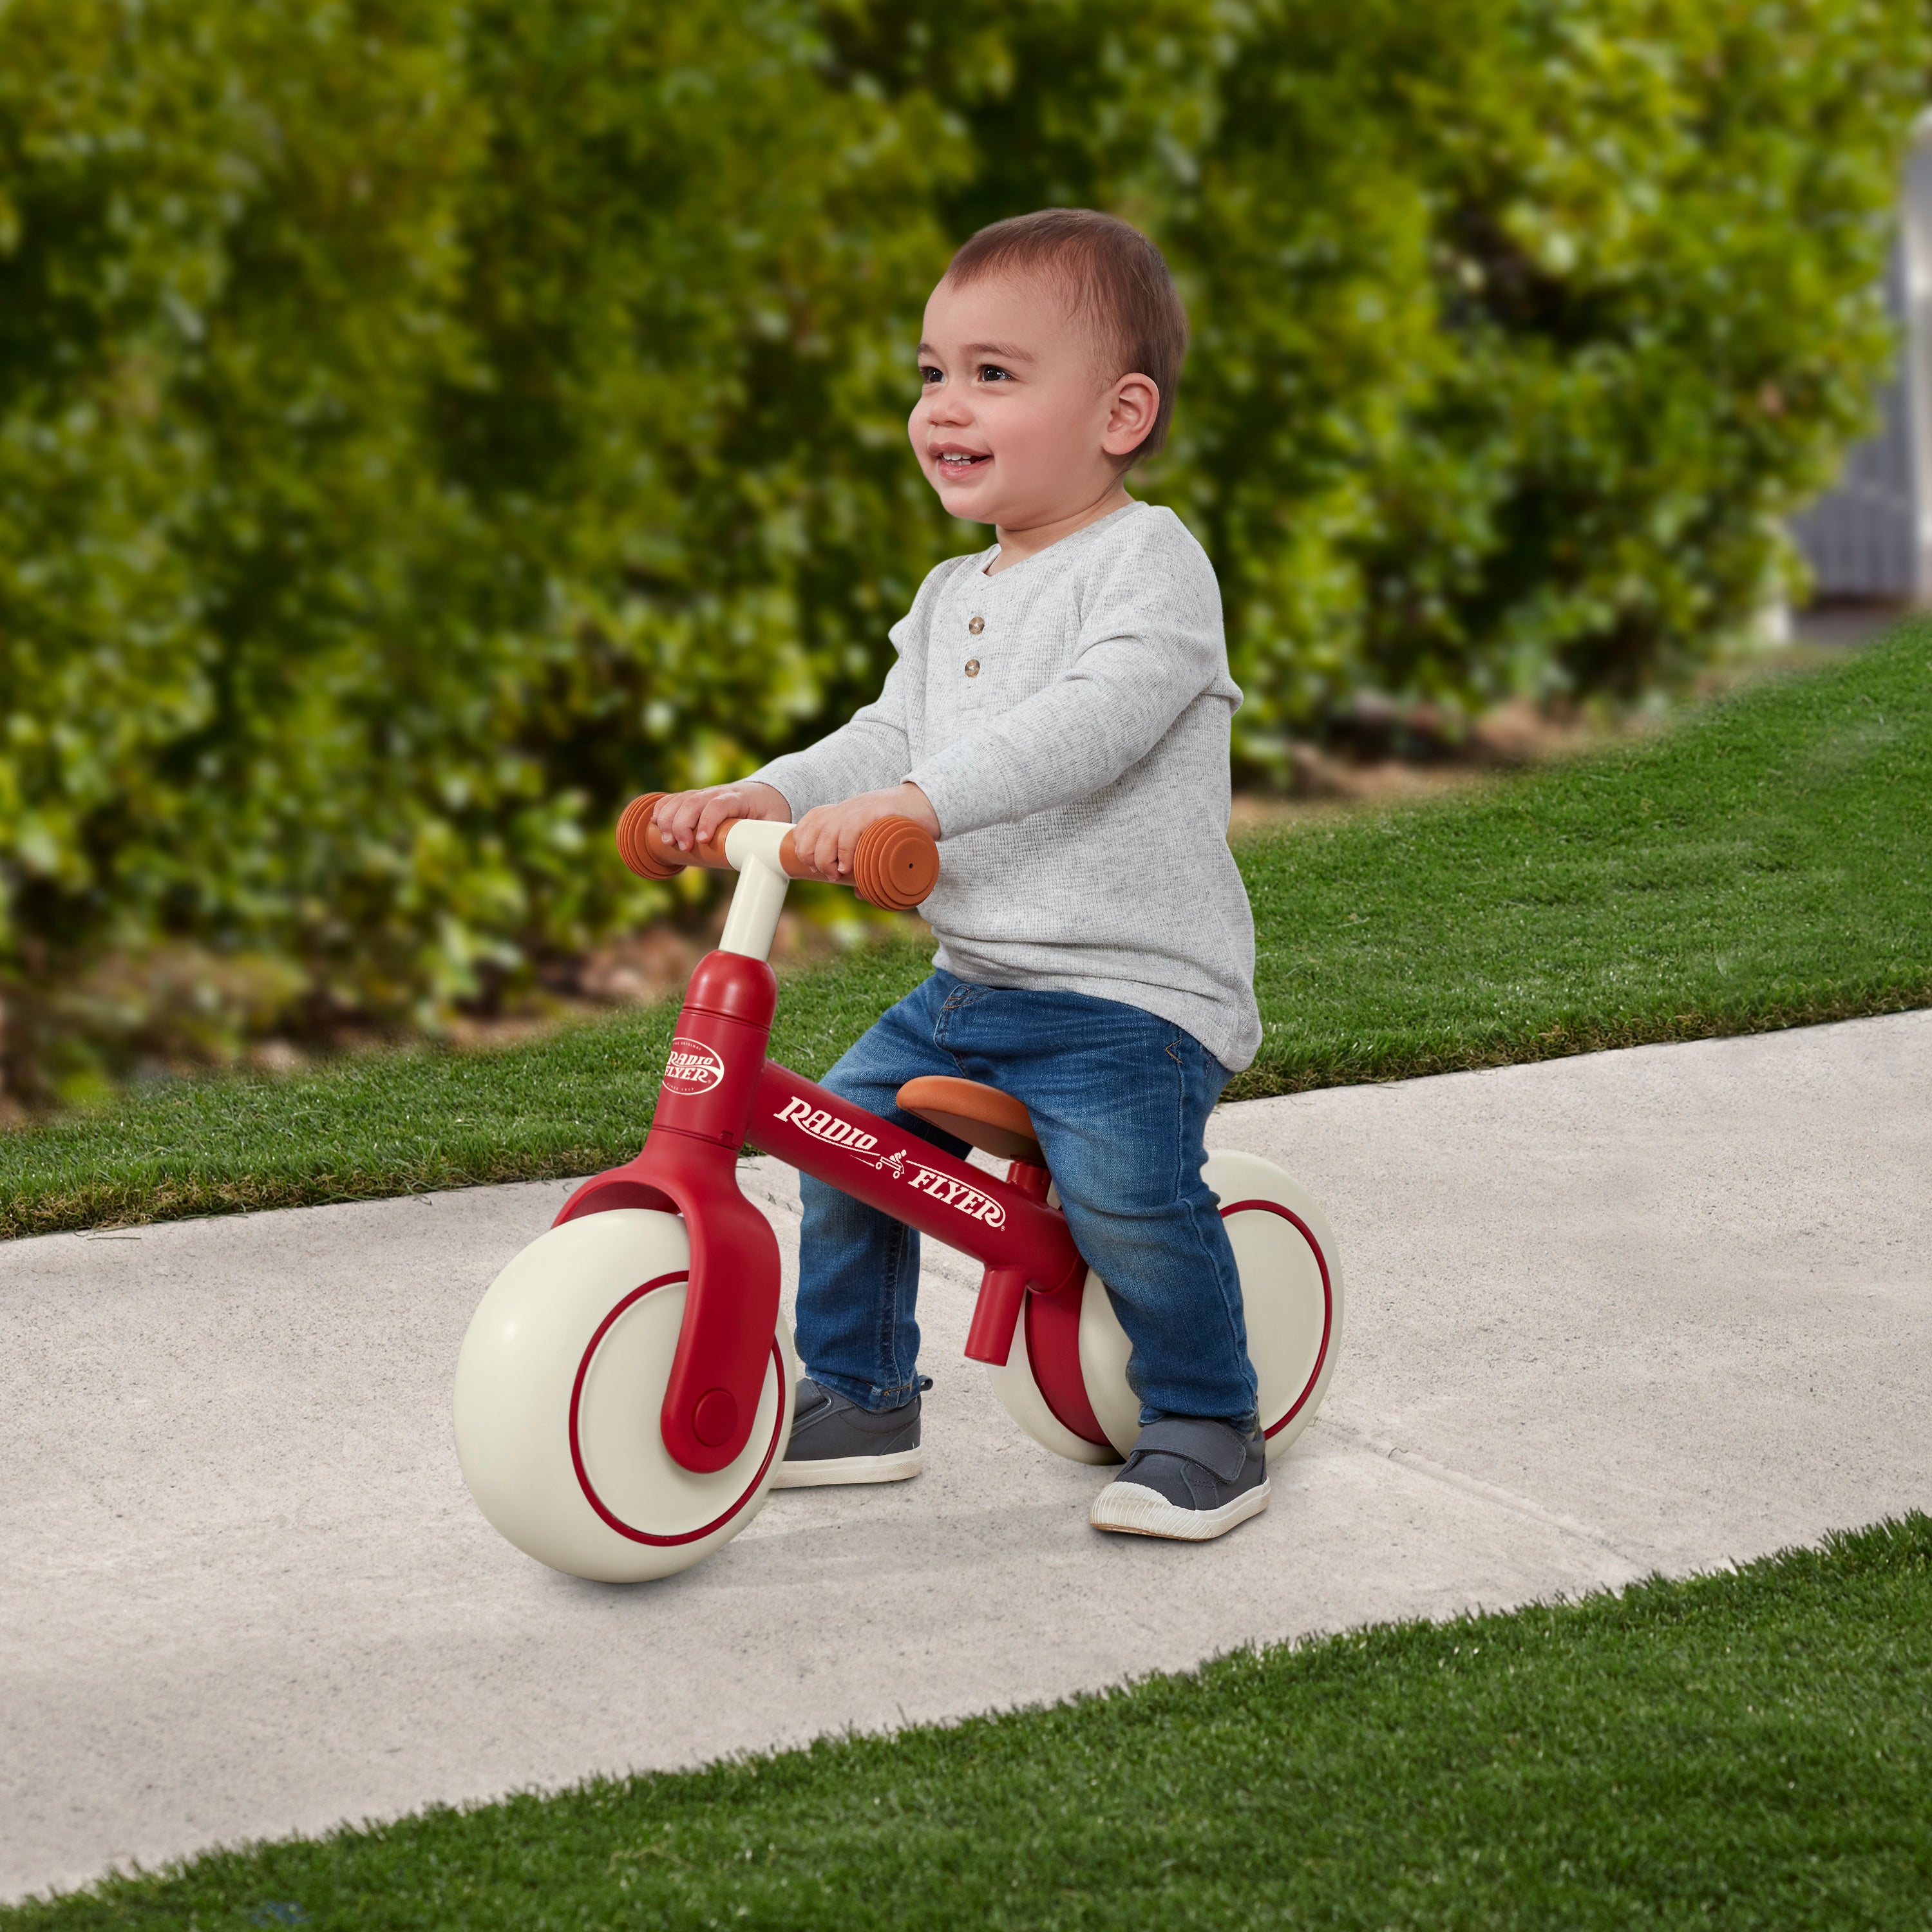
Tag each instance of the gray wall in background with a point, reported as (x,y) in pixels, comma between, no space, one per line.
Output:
(1871,536)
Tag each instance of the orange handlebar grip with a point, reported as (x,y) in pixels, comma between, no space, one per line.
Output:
(896,865)
(640,845)
(651,855)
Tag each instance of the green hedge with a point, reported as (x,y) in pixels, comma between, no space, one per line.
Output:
(422,424)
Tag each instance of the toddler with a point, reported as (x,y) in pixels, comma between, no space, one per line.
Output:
(1058,714)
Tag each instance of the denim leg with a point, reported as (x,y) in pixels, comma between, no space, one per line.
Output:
(858,1283)
(1120,1098)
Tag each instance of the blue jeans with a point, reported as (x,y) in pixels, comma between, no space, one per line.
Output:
(1119,1099)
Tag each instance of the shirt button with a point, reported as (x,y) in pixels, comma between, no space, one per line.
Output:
(972,667)
(976,624)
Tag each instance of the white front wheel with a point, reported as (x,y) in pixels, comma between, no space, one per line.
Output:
(558,1386)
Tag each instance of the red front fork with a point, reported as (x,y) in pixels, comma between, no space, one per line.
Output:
(718,1091)
(689,1164)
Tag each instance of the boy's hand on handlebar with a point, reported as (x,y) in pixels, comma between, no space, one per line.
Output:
(826,837)
(690,818)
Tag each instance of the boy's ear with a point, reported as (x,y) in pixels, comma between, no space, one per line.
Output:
(1131,414)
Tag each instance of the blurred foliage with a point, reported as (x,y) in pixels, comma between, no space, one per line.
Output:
(423,424)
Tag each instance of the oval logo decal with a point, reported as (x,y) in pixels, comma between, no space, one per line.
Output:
(692,1068)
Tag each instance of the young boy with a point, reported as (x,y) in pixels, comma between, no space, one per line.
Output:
(1059,715)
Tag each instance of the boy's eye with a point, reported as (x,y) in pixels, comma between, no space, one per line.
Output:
(992,372)
(929,375)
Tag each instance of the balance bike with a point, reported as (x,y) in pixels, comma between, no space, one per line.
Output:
(624,1394)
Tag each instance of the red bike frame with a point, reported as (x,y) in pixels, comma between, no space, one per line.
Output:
(720,1091)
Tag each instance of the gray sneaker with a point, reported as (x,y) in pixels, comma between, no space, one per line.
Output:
(835,1440)
(1188,1478)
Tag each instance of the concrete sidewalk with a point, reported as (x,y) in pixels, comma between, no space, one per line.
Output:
(1654,1310)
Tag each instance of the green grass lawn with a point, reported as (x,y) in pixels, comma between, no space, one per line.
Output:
(1751,1749)
(1764,864)
(1768,864)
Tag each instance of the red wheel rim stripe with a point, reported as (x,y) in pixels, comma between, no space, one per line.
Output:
(583,1482)
(1327,1298)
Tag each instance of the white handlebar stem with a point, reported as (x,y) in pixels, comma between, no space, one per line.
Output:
(752,846)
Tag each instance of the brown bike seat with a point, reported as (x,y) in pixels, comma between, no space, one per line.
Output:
(981,1116)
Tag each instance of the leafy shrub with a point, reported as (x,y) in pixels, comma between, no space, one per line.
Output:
(422,425)
(419,427)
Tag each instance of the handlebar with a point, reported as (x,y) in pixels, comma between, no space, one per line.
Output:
(895,866)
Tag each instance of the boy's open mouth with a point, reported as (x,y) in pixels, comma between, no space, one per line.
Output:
(957,462)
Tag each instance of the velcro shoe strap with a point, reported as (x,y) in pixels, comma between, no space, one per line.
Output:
(1217,1446)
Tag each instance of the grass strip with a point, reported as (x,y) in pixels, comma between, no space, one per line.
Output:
(1767,864)
(399,1123)
(1748,1749)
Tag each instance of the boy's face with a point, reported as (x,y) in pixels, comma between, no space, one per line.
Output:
(1019,423)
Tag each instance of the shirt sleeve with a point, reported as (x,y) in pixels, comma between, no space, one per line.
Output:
(873,748)
(1150,644)
(870,751)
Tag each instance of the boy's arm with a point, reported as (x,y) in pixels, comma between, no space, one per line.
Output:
(833,790)
(1155,646)
(868,752)
(866,757)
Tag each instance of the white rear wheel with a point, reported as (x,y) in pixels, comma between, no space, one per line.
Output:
(1019,1395)
(558,1388)
(1290,1300)
(1290,1289)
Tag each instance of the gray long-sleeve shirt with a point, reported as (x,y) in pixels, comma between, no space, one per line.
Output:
(1069,720)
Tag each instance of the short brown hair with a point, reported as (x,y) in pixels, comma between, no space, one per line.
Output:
(1114,277)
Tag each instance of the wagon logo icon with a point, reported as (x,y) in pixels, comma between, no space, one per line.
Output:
(692,1068)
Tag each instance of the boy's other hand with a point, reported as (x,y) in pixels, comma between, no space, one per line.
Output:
(692,818)
(827,837)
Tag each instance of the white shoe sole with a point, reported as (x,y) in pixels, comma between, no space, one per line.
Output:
(1137,1510)
(830,1469)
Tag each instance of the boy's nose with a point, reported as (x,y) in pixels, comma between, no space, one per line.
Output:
(940,407)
